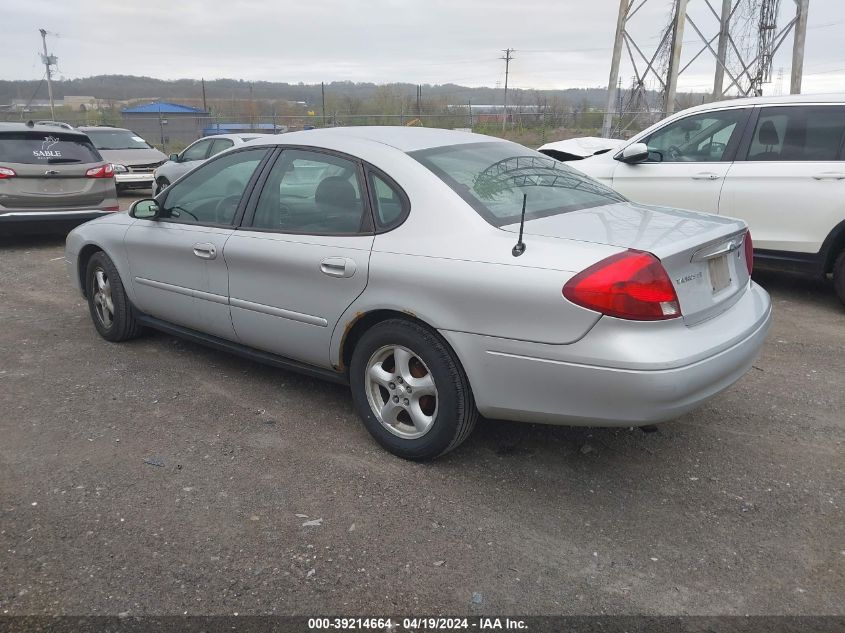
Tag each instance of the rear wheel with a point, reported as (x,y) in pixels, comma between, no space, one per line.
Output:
(107,301)
(410,390)
(839,276)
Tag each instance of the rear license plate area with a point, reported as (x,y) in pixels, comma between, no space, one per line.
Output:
(720,273)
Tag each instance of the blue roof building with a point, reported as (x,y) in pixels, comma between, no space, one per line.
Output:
(166,123)
(164,107)
(234,128)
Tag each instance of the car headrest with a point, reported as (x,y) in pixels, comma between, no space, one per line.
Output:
(768,135)
(336,191)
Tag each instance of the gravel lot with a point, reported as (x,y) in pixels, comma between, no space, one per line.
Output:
(158,476)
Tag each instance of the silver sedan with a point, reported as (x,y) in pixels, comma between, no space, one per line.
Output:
(441,274)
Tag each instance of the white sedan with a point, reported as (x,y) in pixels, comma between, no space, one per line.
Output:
(441,274)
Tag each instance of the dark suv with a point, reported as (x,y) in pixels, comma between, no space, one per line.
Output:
(51,175)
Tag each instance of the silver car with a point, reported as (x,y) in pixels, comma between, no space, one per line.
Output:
(441,274)
(50,177)
(195,154)
(133,158)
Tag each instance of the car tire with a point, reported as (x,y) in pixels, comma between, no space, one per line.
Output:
(110,308)
(161,185)
(839,276)
(410,390)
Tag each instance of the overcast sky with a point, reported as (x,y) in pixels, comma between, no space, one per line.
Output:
(559,43)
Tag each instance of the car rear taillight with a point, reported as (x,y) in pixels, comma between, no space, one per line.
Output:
(630,285)
(103,171)
(749,252)
(5,172)
(114,207)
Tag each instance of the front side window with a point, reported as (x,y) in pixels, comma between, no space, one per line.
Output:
(117,139)
(313,193)
(698,138)
(799,133)
(493,178)
(211,193)
(197,151)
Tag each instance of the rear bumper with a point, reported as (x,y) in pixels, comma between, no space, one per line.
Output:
(621,373)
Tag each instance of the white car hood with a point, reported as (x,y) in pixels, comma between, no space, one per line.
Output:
(582,147)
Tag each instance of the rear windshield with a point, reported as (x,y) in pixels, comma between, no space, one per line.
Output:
(47,148)
(493,177)
(117,139)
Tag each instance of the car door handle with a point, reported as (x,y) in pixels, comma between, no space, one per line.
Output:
(338,267)
(706,175)
(829,175)
(204,250)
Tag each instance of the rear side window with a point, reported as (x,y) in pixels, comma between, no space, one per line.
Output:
(799,133)
(46,148)
(388,202)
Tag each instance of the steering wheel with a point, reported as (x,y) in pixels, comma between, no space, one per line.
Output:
(674,152)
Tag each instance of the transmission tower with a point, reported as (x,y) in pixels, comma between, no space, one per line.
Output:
(746,67)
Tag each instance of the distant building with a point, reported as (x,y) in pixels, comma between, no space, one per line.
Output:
(163,122)
(235,128)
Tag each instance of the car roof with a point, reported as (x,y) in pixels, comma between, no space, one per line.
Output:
(235,136)
(779,100)
(405,139)
(89,128)
(36,127)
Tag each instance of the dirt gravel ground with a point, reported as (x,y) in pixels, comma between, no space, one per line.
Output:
(160,477)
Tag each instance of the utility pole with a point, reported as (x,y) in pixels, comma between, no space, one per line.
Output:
(49,60)
(607,124)
(722,52)
(675,55)
(802,7)
(508,57)
(323,93)
(204,106)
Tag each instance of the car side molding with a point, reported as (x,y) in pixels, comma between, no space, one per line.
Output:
(243,351)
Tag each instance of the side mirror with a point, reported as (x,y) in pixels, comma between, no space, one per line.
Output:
(634,153)
(146,209)
(174,158)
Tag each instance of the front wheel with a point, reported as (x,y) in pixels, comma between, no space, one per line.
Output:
(839,276)
(107,301)
(410,390)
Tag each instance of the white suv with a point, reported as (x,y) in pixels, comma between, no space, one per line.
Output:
(776,162)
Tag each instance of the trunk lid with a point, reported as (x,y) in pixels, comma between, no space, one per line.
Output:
(702,253)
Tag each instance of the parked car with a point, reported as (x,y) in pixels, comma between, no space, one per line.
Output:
(395,259)
(133,158)
(776,162)
(180,164)
(51,177)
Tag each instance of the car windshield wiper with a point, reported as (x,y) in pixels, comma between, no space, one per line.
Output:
(54,161)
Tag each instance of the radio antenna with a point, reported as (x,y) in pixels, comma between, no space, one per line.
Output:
(519,248)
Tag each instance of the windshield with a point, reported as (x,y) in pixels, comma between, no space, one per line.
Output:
(116,139)
(492,178)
